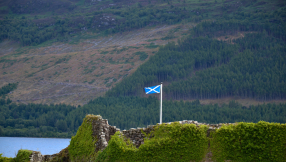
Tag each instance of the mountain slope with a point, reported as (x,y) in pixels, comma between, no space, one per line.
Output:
(74,73)
(72,51)
(200,67)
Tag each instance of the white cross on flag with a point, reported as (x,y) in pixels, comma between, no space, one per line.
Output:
(154,89)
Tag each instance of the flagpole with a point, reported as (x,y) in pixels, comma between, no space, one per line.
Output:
(161,103)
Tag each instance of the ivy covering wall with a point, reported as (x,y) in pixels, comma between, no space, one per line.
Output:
(82,145)
(245,142)
(260,141)
(170,143)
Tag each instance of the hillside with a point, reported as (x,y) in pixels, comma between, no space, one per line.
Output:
(74,73)
(73,51)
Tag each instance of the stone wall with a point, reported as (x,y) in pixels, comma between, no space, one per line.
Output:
(103,132)
(137,137)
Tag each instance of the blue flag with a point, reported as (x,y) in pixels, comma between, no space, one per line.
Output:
(154,89)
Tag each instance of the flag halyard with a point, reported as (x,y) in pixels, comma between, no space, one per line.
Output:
(153,89)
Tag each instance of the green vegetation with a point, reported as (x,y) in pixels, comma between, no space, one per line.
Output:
(142,55)
(104,52)
(8,88)
(76,18)
(174,142)
(38,120)
(5,159)
(250,142)
(22,156)
(152,45)
(82,145)
(200,67)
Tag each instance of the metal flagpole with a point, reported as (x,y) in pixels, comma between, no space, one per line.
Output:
(161,102)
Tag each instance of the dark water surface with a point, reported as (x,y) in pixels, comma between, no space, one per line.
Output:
(9,146)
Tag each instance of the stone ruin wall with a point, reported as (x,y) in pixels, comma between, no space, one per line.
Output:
(137,137)
(103,132)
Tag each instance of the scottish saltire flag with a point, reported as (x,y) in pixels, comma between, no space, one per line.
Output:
(154,89)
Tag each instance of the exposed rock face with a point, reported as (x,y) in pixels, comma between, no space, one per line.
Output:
(136,135)
(103,131)
(36,157)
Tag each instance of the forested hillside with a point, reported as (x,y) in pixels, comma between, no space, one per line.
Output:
(75,50)
(38,120)
(201,67)
(227,48)
(33,22)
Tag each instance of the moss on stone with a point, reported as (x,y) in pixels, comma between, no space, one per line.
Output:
(82,145)
(171,142)
(23,155)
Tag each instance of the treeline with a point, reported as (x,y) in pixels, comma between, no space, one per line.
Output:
(201,67)
(34,31)
(139,16)
(223,27)
(29,33)
(37,120)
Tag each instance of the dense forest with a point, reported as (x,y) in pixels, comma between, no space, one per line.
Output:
(198,66)
(113,19)
(201,67)
(32,22)
(38,120)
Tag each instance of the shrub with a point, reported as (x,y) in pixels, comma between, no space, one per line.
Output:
(172,142)
(23,156)
(5,159)
(250,142)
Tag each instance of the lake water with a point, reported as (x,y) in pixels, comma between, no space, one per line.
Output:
(9,146)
